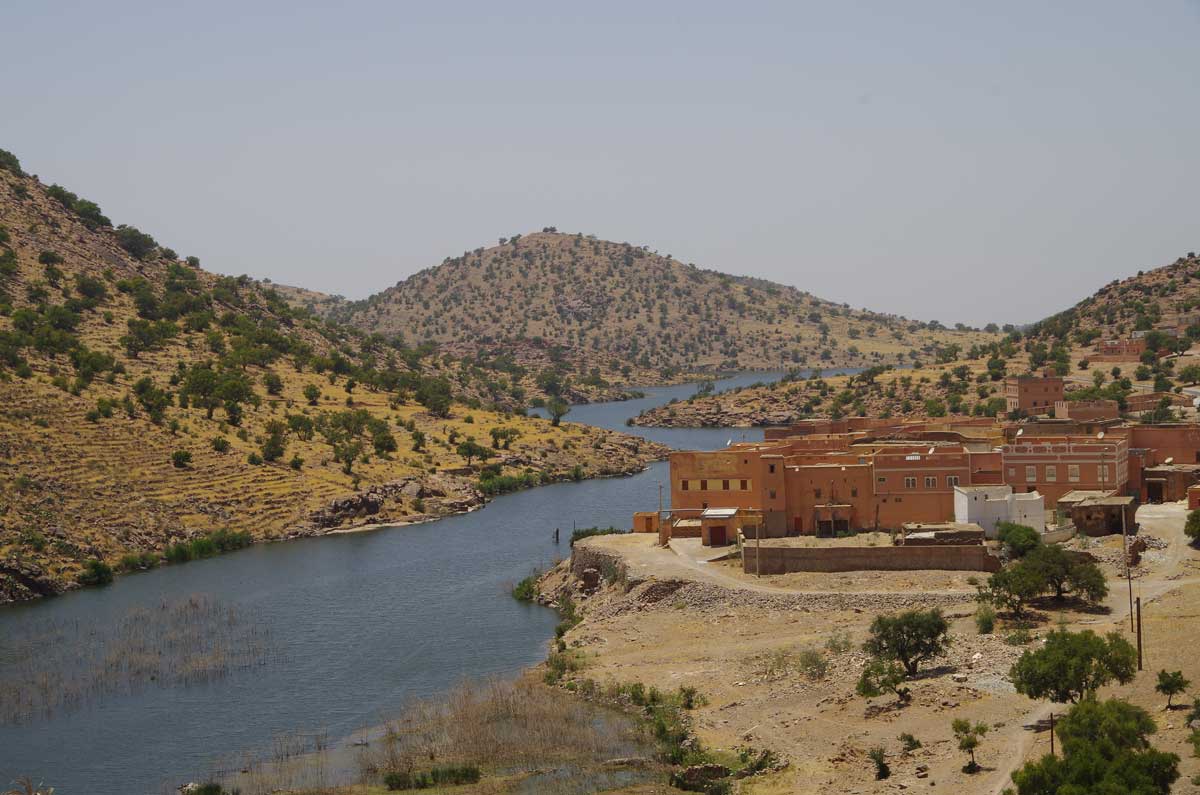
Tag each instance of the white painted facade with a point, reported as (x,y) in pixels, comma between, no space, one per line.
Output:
(987,506)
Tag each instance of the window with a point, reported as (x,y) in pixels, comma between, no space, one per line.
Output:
(683,485)
(930,482)
(1030,473)
(910,483)
(881,479)
(771,468)
(1051,474)
(853,491)
(771,494)
(704,485)
(952,480)
(1012,472)
(745,486)
(1073,473)
(724,485)
(817,493)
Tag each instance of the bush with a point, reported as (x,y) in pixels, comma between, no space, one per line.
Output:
(882,770)
(136,242)
(10,163)
(181,459)
(138,561)
(985,619)
(220,444)
(908,742)
(526,590)
(1192,526)
(95,572)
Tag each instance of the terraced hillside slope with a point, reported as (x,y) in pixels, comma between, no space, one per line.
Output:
(146,404)
(620,308)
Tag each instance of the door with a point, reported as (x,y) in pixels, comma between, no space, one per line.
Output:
(716,536)
(1154,491)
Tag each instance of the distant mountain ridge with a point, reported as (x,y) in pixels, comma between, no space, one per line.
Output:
(622,307)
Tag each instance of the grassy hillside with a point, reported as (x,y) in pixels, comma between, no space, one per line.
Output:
(629,313)
(146,404)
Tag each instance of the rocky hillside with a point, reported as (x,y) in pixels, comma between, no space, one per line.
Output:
(1162,298)
(618,311)
(146,404)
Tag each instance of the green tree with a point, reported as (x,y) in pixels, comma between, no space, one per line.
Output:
(1171,684)
(969,736)
(1018,539)
(1012,587)
(1190,374)
(1106,751)
(558,408)
(274,443)
(312,394)
(1072,665)
(273,383)
(470,449)
(910,638)
(882,676)
(181,459)
(1192,526)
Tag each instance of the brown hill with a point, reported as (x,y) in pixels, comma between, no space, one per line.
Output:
(146,404)
(622,309)
(1165,299)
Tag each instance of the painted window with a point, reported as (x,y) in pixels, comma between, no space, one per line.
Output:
(1073,473)
(1030,473)
(1051,474)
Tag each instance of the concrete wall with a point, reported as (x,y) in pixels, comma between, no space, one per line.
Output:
(780,560)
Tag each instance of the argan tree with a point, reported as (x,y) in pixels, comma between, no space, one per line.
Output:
(910,638)
(1072,665)
(1171,684)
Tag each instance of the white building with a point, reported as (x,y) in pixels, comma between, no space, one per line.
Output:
(987,506)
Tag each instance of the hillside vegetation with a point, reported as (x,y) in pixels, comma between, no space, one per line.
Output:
(618,311)
(149,408)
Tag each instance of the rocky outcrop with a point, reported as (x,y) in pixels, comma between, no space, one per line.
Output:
(441,494)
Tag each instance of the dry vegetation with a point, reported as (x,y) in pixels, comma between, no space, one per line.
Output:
(145,401)
(60,666)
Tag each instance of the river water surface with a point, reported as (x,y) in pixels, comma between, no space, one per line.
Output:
(361,623)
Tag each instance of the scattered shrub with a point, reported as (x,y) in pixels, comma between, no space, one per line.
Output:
(95,572)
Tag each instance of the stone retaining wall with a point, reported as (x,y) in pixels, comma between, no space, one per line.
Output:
(781,560)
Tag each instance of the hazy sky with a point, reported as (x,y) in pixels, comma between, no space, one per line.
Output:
(950,160)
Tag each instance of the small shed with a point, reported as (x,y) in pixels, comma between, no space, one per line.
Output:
(1099,514)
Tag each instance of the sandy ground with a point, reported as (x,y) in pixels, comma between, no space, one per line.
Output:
(739,640)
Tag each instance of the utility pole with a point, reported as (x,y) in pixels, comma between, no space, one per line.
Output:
(1128,574)
(1051,734)
(1139,631)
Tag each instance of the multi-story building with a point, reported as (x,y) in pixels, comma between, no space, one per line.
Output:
(884,476)
(1032,394)
(1054,465)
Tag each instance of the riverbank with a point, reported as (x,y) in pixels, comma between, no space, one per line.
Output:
(273,502)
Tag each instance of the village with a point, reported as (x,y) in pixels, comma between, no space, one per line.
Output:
(764,575)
